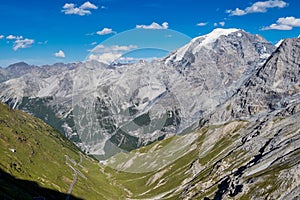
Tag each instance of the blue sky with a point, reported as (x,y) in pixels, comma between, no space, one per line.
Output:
(45,32)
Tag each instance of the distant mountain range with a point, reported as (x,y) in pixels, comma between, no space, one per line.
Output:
(233,96)
(147,100)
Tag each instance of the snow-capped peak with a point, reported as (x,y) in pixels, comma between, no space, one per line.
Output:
(278,43)
(215,34)
(201,41)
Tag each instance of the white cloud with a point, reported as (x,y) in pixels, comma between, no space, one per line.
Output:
(1,37)
(222,23)
(128,60)
(84,9)
(106,58)
(291,21)
(93,43)
(202,24)
(105,31)
(108,54)
(45,42)
(278,27)
(88,5)
(22,44)
(60,54)
(237,12)
(115,48)
(154,25)
(284,23)
(258,7)
(219,24)
(12,37)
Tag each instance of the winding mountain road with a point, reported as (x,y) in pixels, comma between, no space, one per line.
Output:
(75,176)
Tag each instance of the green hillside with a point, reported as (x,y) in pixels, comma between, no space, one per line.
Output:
(33,163)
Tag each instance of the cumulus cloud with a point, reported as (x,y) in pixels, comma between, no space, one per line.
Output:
(284,23)
(108,54)
(105,31)
(60,54)
(258,7)
(202,24)
(106,58)
(1,37)
(22,44)
(278,27)
(12,37)
(84,9)
(154,25)
(290,21)
(88,5)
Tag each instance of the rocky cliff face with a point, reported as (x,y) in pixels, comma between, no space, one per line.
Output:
(272,87)
(222,58)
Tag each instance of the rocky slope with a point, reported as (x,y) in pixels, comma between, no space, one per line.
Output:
(271,88)
(236,160)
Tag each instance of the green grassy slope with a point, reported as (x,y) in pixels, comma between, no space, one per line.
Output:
(40,156)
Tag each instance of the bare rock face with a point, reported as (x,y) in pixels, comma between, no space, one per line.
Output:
(272,87)
(221,58)
(214,66)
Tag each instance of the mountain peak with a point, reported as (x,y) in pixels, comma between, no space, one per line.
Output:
(204,41)
(18,64)
(215,34)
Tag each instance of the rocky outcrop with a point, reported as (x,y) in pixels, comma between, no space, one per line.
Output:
(272,87)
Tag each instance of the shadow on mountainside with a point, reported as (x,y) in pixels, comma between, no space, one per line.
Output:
(14,188)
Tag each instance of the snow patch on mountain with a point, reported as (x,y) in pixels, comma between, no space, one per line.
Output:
(212,37)
(201,41)
(278,43)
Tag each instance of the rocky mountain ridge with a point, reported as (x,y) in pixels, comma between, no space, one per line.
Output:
(148,101)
